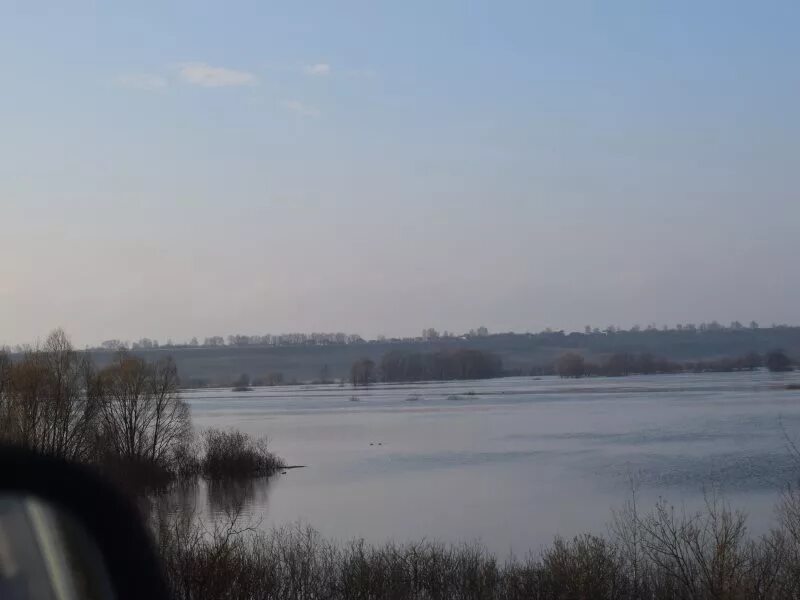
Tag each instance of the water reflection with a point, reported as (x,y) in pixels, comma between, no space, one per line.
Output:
(180,498)
(229,496)
(208,500)
(522,459)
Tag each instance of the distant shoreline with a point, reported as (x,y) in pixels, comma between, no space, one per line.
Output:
(347,389)
(521,353)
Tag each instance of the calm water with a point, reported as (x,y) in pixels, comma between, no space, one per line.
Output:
(512,461)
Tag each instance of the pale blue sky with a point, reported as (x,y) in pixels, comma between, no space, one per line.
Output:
(170,169)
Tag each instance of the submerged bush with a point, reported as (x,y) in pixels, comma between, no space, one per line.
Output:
(230,454)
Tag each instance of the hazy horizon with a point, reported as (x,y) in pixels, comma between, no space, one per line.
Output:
(190,170)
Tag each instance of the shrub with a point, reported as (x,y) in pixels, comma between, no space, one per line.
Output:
(231,454)
(778,362)
(661,555)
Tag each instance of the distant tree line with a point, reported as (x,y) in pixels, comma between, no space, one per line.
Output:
(443,365)
(287,339)
(430,334)
(238,340)
(573,364)
(679,327)
(439,366)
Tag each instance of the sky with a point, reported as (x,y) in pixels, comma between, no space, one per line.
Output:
(179,169)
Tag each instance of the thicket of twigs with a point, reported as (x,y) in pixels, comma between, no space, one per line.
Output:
(232,454)
(662,554)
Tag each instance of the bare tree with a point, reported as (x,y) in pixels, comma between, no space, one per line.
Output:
(172,422)
(49,401)
(362,372)
(143,416)
(5,388)
(72,406)
(25,401)
(5,372)
(702,553)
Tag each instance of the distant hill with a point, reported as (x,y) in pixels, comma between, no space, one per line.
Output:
(223,365)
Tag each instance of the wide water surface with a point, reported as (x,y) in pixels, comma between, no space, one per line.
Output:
(511,462)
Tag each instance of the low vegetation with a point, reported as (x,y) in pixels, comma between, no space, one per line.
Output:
(664,554)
